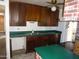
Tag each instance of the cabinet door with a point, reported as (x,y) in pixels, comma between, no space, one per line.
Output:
(45,16)
(14,13)
(31,43)
(48,18)
(17,14)
(22,14)
(1,23)
(28,12)
(33,12)
(54,17)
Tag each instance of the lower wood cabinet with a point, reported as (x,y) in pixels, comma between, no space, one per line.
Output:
(20,13)
(37,41)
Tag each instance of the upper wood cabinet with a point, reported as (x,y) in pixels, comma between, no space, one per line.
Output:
(20,13)
(54,18)
(1,23)
(32,12)
(48,18)
(17,14)
(45,16)
(14,13)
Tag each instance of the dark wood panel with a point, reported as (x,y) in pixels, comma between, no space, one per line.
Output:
(33,12)
(17,14)
(45,16)
(20,13)
(28,12)
(48,18)
(54,17)
(37,41)
(14,12)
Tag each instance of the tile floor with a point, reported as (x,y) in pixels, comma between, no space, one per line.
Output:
(24,56)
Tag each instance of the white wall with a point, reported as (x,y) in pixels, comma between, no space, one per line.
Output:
(63,29)
(71,31)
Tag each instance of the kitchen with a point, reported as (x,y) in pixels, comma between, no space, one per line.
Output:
(25,17)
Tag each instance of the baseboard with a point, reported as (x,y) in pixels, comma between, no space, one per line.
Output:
(20,51)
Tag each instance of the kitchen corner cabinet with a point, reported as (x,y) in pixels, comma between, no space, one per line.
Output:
(32,12)
(17,14)
(1,23)
(48,18)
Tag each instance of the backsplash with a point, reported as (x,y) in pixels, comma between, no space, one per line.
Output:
(32,26)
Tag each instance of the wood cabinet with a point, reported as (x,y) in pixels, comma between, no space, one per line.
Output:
(32,12)
(45,16)
(20,13)
(17,14)
(1,23)
(37,41)
(54,18)
(48,18)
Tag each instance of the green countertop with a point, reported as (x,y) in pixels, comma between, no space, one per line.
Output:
(35,33)
(55,52)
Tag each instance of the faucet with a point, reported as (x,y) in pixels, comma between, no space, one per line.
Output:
(32,31)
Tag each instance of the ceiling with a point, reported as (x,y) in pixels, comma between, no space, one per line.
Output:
(38,2)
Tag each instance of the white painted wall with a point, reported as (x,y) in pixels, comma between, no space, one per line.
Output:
(62,28)
(71,31)
(68,31)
